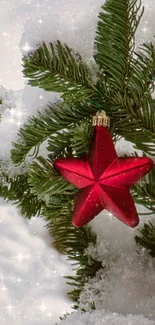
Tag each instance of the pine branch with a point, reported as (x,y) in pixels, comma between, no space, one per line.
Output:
(81,138)
(138,127)
(73,242)
(140,86)
(75,140)
(56,117)
(142,75)
(144,191)
(59,144)
(135,123)
(45,182)
(114,41)
(127,76)
(57,68)
(146,238)
(16,189)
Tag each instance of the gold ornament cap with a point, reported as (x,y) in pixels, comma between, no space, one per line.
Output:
(101,119)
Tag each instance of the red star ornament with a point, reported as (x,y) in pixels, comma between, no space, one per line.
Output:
(103,180)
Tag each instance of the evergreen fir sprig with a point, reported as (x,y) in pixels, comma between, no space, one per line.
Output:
(81,137)
(131,109)
(139,130)
(55,118)
(17,190)
(75,140)
(59,144)
(139,124)
(73,242)
(57,68)
(144,191)
(127,76)
(44,181)
(146,238)
(114,41)
(141,81)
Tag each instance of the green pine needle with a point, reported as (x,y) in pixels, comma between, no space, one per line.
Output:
(57,68)
(114,41)
(73,242)
(146,238)
(55,118)
(16,189)
(144,191)
(45,182)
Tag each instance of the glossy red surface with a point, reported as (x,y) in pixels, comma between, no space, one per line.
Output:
(103,180)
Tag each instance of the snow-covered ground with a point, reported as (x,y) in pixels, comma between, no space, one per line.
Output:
(33,290)
(32,287)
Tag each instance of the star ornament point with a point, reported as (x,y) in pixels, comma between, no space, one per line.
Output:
(103,180)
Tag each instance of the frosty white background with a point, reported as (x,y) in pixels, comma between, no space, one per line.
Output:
(32,288)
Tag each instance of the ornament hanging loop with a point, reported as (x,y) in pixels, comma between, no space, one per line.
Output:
(101,119)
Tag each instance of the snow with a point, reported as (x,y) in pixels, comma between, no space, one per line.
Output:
(17,107)
(105,318)
(33,290)
(128,283)
(76,28)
